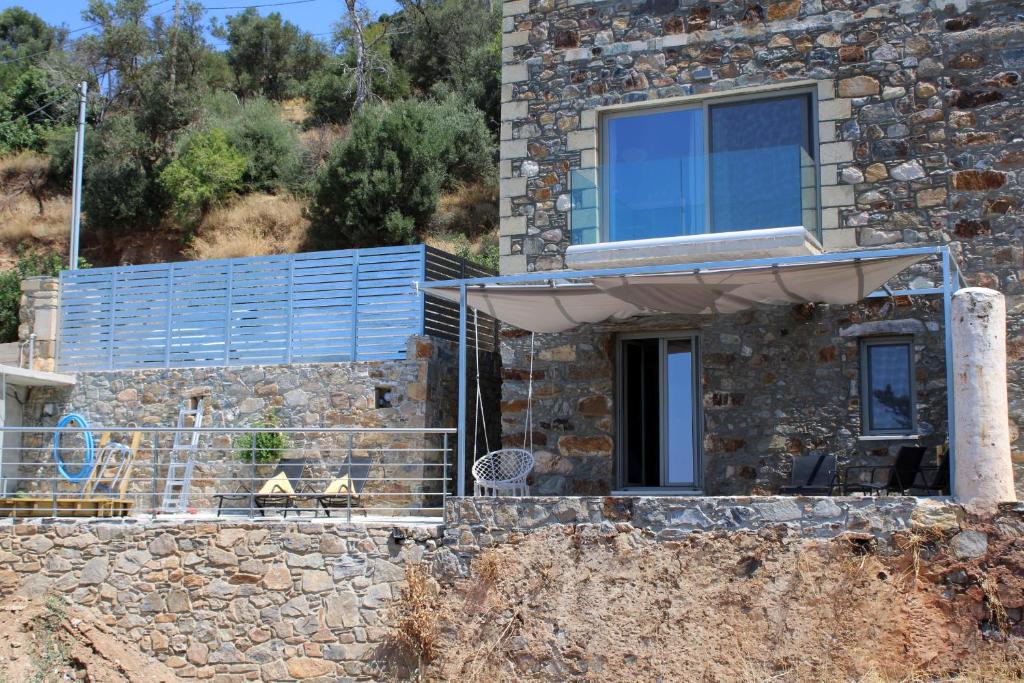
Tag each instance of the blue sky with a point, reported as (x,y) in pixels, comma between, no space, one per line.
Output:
(316,16)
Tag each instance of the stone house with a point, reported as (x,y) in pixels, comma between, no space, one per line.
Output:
(639,132)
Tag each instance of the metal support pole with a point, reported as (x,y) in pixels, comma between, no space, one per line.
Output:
(461,462)
(948,285)
(76,185)
(444,480)
(155,463)
(252,474)
(351,484)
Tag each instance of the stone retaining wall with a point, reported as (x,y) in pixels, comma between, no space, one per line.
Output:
(285,600)
(274,601)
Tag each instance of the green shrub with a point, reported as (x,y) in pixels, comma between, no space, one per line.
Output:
(28,264)
(269,143)
(261,447)
(382,183)
(121,192)
(208,169)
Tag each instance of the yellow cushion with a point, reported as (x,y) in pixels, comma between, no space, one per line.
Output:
(339,486)
(277,485)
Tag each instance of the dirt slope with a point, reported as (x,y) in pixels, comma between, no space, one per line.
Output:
(592,604)
(42,639)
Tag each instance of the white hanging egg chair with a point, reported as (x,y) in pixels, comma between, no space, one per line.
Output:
(504,471)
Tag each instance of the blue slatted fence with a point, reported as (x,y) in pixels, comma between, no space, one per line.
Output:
(303,308)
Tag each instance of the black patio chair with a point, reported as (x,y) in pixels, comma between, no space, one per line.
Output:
(277,492)
(345,490)
(895,479)
(812,475)
(938,482)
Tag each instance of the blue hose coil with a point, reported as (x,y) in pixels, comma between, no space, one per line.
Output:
(89,448)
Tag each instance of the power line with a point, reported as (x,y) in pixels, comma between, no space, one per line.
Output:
(35,111)
(272,4)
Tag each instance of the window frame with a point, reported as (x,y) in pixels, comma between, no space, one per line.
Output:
(705,102)
(865,383)
(663,337)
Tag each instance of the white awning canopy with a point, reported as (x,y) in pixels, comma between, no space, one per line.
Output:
(562,306)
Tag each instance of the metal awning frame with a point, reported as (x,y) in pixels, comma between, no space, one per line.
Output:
(952,279)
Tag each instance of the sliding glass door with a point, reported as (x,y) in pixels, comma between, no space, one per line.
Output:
(659,412)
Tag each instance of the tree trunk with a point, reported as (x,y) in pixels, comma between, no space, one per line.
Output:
(362,70)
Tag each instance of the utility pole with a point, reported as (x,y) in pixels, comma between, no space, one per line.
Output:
(76,187)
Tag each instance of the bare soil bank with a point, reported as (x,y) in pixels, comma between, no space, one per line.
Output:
(604,603)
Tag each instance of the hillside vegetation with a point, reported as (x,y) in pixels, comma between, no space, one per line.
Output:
(262,139)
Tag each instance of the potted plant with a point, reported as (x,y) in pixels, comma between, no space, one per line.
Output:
(261,447)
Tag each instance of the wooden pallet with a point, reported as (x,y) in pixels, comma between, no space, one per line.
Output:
(31,506)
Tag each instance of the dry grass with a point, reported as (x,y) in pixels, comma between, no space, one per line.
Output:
(23,164)
(294,110)
(420,620)
(254,225)
(28,212)
(470,209)
(23,218)
(317,141)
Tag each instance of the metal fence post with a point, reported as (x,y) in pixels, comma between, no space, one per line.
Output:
(227,315)
(444,480)
(351,484)
(153,473)
(252,474)
(291,300)
(355,307)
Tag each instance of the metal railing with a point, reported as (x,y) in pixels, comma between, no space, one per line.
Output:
(336,473)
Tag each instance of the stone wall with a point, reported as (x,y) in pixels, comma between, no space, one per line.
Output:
(302,600)
(38,310)
(272,602)
(920,110)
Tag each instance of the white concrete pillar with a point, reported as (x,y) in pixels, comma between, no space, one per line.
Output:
(984,472)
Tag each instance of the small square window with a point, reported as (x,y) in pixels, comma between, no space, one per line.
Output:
(887,386)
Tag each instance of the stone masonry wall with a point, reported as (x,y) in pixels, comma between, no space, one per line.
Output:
(286,600)
(37,315)
(920,116)
(230,602)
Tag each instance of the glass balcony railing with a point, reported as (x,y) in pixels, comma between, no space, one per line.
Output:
(723,192)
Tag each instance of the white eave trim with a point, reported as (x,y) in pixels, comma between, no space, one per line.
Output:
(682,249)
(35,378)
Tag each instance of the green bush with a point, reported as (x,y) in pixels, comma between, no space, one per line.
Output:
(269,143)
(382,183)
(121,192)
(28,264)
(261,447)
(207,170)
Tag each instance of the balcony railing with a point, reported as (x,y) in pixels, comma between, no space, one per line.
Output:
(349,474)
(302,308)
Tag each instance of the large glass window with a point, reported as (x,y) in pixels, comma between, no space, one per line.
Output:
(715,167)
(887,385)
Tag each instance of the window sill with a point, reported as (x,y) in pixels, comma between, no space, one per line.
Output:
(706,247)
(889,437)
(658,491)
